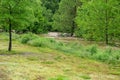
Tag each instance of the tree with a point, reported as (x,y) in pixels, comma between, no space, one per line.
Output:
(99,20)
(40,23)
(50,7)
(64,17)
(15,14)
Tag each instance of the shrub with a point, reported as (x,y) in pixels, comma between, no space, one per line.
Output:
(107,56)
(45,42)
(102,56)
(92,49)
(114,57)
(27,37)
(38,42)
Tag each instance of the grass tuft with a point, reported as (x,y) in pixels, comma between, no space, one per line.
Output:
(59,78)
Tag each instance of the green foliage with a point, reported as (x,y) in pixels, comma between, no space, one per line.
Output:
(10,13)
(63,19)
(24,16)
(98,20)
(27,37)
(15,14)
(108,56)
(39,42)
(46,42)
(34,40)
(92,49)
(51,4)
(43,13)
(40,25)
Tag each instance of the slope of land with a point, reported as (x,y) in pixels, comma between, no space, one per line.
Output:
(37,63)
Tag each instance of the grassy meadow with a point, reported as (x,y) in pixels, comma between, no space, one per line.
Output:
(39,58)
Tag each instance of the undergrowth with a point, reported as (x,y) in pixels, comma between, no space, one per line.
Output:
(93,52)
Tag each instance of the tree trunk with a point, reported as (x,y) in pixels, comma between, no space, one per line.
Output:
(72,29)
(74,16)
(106,35)
(10,31)
(106,27)
(10,36)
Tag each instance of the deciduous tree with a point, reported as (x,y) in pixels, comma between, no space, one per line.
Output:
(15,14)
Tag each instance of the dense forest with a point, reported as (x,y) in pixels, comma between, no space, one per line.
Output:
(60,39)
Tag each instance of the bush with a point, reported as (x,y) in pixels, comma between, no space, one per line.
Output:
(107,56)
(27,37)
(92,49)
(46,42)
(38,42)
(102,57)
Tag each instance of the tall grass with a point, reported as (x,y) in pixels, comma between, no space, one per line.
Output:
(93,52)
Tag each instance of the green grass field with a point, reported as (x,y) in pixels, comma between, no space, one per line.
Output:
(61,61)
